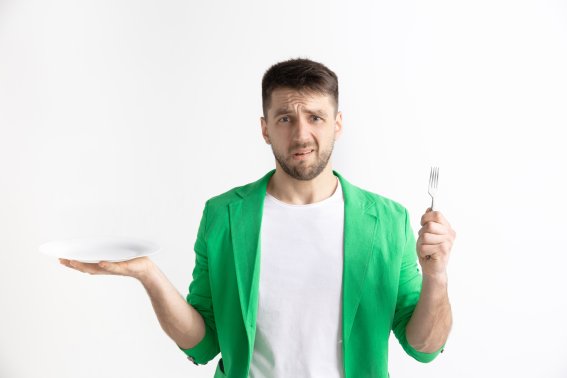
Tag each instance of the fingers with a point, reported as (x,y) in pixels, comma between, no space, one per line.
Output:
(433,216)
(91,268)
(435,242)
(67,263)
(432,239)
(434,223)
(433,228)
(435,236)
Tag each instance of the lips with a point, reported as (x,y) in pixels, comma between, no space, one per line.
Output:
(302,152)
(302,155)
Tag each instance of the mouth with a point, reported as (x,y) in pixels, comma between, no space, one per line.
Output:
(302,154)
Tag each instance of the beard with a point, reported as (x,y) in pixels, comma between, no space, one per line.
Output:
(301,170)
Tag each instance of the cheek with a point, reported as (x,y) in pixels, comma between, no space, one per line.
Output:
(327,138)
(278,146)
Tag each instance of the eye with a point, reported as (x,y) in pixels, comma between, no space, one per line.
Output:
(316,118)
(284,119)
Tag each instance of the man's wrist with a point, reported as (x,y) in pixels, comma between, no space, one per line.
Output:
(148,274)
(436,279)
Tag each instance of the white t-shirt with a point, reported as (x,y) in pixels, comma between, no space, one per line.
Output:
(299,323)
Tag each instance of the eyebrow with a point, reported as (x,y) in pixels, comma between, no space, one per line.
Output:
(281,111)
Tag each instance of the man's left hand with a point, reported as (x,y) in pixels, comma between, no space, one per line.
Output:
(435,239)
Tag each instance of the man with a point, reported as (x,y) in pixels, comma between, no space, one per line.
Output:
(301,273)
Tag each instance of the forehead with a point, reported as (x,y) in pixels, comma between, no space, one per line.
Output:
(286,98)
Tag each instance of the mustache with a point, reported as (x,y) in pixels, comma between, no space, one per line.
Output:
(302,146)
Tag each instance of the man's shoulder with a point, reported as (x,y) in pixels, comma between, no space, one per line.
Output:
(381,203)
(236,193)
(227,197)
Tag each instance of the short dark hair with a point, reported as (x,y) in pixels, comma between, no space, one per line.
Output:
(299,74)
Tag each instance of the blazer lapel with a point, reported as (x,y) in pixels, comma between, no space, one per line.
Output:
(245,222)
(359,232)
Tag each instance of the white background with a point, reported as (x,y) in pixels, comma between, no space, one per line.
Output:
(123,117)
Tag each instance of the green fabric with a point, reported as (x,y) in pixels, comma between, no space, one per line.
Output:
(381,279)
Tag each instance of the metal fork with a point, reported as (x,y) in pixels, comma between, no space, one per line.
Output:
(433,181)
(432,190)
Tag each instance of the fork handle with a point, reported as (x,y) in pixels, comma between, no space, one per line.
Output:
(432,209)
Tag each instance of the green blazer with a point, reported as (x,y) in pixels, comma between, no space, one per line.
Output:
(381,280)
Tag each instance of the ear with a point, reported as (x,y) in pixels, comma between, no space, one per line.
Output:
(264,126)
(338,125)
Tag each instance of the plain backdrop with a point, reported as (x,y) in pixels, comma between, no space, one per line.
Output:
(124,117)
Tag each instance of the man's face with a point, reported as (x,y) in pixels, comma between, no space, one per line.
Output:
(302,128)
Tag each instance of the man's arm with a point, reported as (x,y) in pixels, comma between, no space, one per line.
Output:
(429,326)
(179,320)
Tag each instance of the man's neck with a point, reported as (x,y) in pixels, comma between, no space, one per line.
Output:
(298,192)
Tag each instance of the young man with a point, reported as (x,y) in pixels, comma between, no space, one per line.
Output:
(301,273)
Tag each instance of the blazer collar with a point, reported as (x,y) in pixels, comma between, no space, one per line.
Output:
(360,224)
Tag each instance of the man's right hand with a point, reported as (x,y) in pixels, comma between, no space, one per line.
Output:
(180,321)
(136,268)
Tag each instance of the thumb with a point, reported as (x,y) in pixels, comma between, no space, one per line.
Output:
(428,210)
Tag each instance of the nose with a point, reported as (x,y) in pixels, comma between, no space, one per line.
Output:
(302,129)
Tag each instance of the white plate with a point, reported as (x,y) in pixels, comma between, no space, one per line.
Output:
(95,249)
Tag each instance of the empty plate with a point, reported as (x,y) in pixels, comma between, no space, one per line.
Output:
(95,249)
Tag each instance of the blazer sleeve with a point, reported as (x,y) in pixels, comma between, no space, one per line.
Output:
(409,290)
(200,298)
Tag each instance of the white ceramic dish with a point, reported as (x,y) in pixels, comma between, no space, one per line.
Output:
(95,249)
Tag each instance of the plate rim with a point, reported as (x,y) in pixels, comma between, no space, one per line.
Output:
(153,246)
